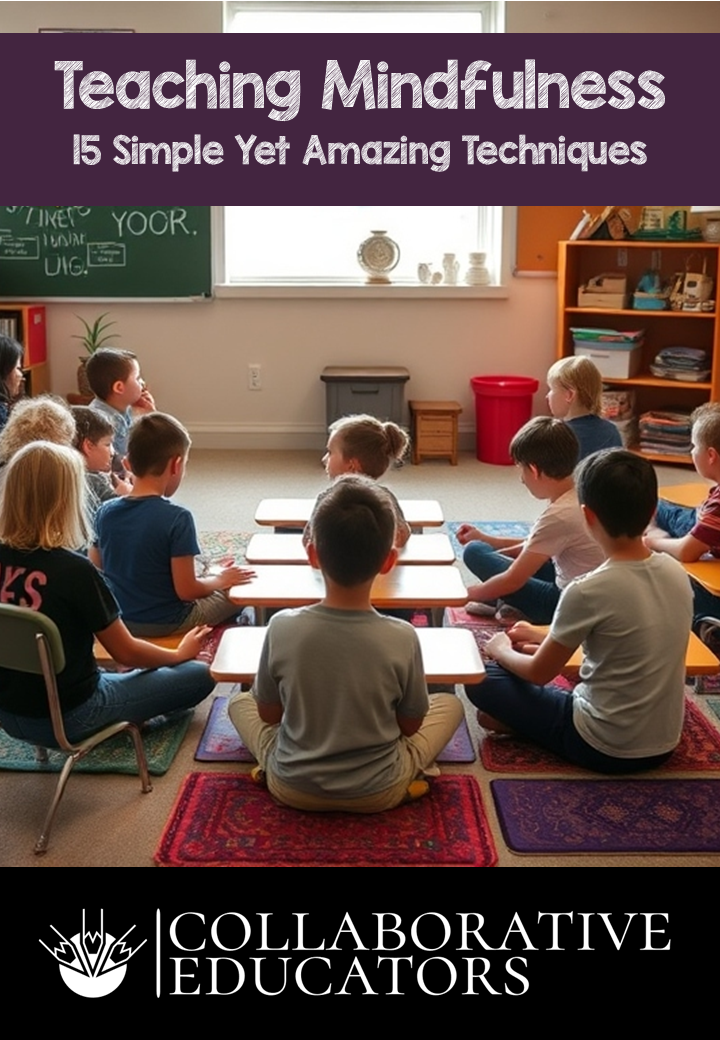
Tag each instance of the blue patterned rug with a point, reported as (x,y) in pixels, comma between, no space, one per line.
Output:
(497,528)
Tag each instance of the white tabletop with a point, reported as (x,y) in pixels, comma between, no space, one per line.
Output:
(286,585)
(450,655)
(295,512)
(289,548)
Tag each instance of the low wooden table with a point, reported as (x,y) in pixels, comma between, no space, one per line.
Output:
(691,495)
(707,572)
(435,430)
(295,512)
(450,655)
(286,585)
(699,659)
(288,548)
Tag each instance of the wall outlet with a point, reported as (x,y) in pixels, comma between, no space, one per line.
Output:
(622,257)
(254,377)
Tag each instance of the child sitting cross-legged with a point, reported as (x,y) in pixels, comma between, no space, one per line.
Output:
(146,545)
(528,578)
(632,616)
(339,717)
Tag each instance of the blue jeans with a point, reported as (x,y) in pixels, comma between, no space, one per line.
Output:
(537,598)
(128,696)
(676,520)
(679,521)
(544,714)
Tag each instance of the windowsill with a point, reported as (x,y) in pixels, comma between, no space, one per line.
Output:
(329,291)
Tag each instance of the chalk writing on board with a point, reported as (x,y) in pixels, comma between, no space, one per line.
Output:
(105,251)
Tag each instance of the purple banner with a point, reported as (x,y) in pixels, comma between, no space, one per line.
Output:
(301,119)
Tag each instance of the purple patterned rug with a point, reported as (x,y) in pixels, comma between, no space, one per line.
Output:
(596,816)
(221,742)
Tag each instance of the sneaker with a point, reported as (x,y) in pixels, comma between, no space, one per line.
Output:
(708,630)
(481,609)
(510,615)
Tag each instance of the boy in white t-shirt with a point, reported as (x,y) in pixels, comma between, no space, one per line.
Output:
(632,616)
(530,577)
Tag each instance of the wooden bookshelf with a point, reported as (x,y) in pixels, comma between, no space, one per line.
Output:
(26,323)
(578,262)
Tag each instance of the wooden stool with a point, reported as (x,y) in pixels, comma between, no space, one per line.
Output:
(435,430)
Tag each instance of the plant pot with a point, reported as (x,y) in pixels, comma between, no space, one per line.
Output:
(84,388)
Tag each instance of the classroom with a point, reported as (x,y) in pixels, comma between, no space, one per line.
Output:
(198,355)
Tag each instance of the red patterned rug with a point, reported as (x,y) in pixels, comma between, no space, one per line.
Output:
(225,820)
(698,751)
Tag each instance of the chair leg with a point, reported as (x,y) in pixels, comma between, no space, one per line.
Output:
(145,783)
(42,843)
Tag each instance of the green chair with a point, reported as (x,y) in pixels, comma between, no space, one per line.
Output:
(30,642)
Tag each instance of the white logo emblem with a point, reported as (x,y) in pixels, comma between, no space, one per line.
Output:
(93,962)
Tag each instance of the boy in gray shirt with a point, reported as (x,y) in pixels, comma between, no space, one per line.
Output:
(339,717)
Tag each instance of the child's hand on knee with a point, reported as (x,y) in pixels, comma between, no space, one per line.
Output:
(497,645)
(192,643)
(467,533)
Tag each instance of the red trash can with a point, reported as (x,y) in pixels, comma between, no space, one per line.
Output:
(502,405)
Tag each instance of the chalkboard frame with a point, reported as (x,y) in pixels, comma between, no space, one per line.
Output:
(131,253)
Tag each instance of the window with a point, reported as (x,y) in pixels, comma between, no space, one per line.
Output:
(364,16)
(319,244)
(305,245)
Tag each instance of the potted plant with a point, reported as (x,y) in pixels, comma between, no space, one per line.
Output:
(94,337)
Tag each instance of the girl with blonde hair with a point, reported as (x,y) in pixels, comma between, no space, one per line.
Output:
(575,395)
(43,523)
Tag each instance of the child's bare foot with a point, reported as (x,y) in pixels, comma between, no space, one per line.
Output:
(492,725)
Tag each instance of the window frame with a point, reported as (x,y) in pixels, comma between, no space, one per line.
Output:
(493,21)
(492,11)
(318,289)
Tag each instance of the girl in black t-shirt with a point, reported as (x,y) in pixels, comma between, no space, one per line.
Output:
(43,523)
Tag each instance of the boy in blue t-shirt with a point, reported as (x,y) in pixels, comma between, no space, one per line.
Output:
(146,545)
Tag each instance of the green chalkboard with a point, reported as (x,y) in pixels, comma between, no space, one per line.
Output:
(104,251)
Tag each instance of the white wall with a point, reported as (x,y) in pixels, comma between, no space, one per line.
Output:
(195,356)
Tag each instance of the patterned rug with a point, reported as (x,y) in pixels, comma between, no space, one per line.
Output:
(698,751)
(221,742)
(161,740)
(216,544)
(225,820)
(596,816)
(498,528)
